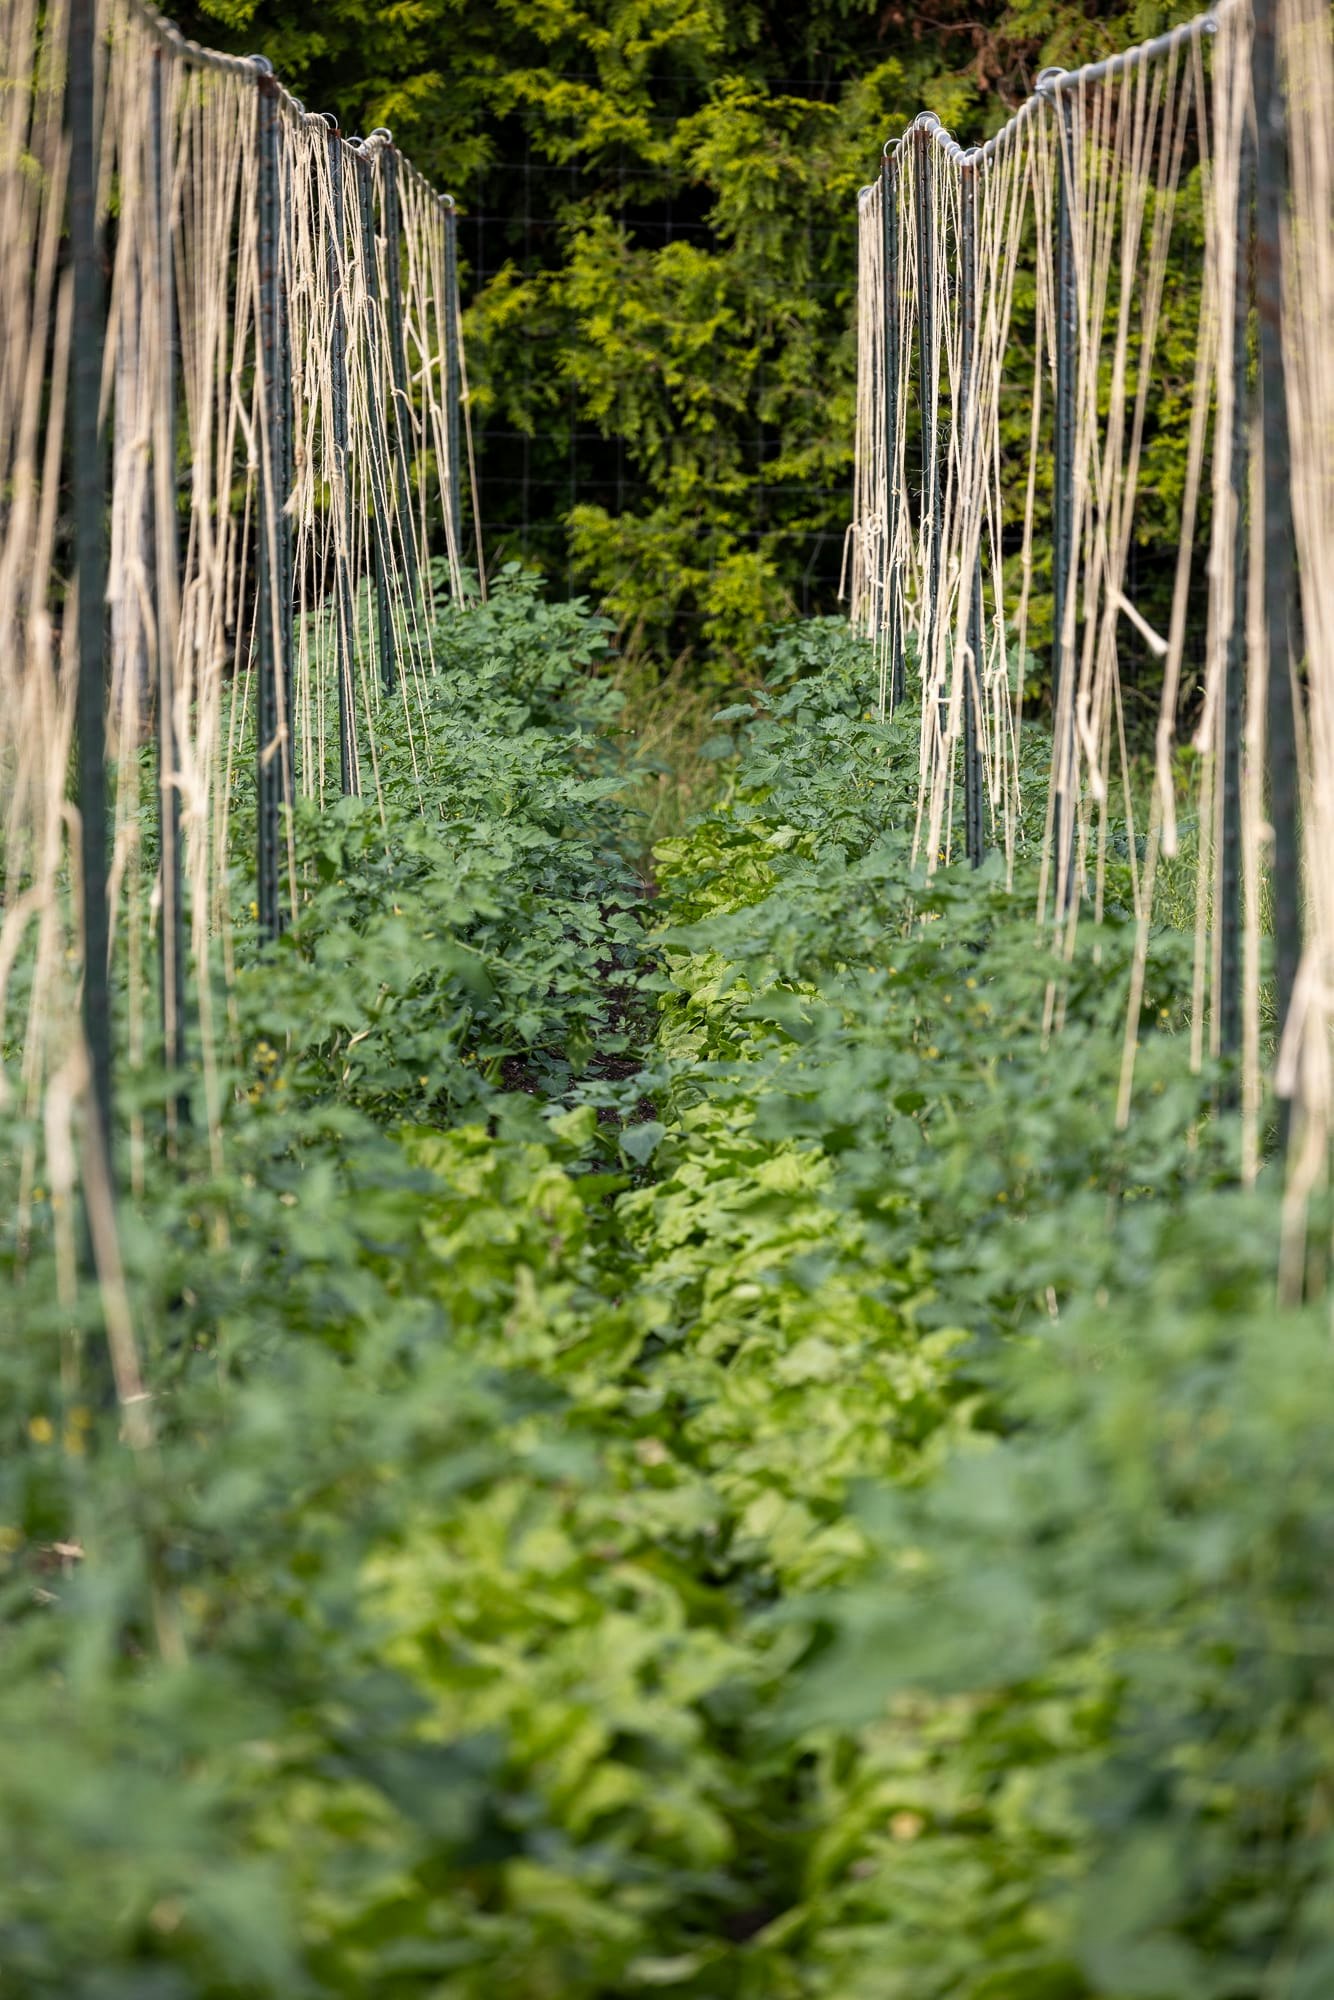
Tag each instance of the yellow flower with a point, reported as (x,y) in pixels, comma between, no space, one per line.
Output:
(40,1431)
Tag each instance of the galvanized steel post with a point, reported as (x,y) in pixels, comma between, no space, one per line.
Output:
(89,474)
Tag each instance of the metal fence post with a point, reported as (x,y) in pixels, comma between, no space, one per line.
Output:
(346,640)
(974,803)
(1063,504)
(271,587)
(1229,914)
(287,470)
(1279,567)
(930,386)
(453,374)
(171,930)
(398,351)
(89,474)
(889,191)
(379,449)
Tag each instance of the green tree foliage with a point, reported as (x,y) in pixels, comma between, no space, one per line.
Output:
(686,289)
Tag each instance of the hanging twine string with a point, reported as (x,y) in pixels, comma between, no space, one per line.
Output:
(1111,146)
(198,485)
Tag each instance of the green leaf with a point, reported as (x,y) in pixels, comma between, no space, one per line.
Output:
(641,1142)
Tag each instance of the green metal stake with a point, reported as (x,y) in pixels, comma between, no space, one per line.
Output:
(379,449)
(1229,915)
(343,467)
(889,221)
(398,351)
(287,465)
(1279,567)
(929,357)
(453,373)
(1063,508)
(272,589)
(171,931)
(89,472)
(889,189)
(974,799)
